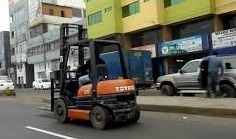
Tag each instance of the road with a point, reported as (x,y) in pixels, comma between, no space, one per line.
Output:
(22,120)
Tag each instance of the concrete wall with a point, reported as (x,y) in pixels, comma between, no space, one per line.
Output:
(111,21)
(56,10)
(188,9)
(151,14)
(224,6)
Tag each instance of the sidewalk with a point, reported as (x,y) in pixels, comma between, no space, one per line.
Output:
(223,107)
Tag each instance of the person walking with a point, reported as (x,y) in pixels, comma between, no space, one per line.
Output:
(203,76)
(214,66)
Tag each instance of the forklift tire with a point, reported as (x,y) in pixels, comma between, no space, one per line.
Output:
(136,116)
(100,117)
(61,111)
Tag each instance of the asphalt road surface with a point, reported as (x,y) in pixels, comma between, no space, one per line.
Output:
(22,120)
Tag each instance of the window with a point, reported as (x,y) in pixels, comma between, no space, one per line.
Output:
(51,12)
(12,34)
(130,9)
(11,19)
(77,12)
(62,13)
(193,28)
(168,3)
(94,18)
(108,9)
(13,51)
(145,37)
(39,49)
(191,67)
(230,60)
(229,21)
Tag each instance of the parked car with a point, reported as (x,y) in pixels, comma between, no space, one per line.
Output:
(6,82)
(186,80)
(41,84)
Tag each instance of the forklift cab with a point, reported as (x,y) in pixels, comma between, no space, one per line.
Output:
(87,51)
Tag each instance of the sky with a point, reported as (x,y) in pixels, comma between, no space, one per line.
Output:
(4,16)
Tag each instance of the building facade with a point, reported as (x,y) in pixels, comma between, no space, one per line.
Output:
(44,44)
(18,42)
(34,35)
(172,34)
(5,53)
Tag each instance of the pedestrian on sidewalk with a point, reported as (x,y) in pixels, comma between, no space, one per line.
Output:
(203,76)
(215,71)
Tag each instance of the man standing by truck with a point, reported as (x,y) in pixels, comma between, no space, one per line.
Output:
(214,65)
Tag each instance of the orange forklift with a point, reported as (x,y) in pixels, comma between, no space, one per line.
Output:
(103,100)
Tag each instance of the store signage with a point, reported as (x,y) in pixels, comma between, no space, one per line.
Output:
(224,38)
(184,45)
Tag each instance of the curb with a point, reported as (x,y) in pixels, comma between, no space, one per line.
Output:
(217,112)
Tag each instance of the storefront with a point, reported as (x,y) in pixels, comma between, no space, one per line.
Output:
(176,53)
(224,42)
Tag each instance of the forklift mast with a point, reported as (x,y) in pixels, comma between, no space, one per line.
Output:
(65,49)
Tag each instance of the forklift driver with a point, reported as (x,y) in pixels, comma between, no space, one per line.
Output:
(87,67)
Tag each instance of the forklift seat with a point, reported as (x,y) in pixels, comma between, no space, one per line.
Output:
(102,72)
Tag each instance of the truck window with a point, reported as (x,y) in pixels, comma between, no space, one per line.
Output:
(229,59)
(191,67)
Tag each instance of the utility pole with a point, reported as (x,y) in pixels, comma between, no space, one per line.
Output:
(44,56)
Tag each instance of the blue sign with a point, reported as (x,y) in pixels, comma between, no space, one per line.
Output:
(185,45)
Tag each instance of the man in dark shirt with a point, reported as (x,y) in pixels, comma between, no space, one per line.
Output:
(87,67)
(214,66)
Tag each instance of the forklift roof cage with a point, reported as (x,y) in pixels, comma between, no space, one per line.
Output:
(92,44)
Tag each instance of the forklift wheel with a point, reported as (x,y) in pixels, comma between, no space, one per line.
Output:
(100,117)
(136,116)
(60,111)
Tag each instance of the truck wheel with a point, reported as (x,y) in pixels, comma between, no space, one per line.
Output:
(227,90)
(60,111)
(99,117)
(167,90)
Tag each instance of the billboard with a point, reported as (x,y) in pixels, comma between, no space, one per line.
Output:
(185,45)
(224,38)
(35,9)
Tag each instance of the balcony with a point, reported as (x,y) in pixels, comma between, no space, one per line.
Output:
(48,19)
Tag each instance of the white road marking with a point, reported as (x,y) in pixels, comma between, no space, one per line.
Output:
(185,117)
(48,132)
